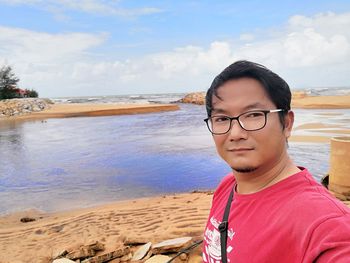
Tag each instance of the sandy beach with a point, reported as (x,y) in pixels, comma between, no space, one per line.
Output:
(140,220)
(148,219)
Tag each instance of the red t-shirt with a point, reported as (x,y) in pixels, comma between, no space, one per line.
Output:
(294,220)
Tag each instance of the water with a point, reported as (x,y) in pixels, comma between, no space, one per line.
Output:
(60,164)
(124,99)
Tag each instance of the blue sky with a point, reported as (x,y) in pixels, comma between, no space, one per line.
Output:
(90,47)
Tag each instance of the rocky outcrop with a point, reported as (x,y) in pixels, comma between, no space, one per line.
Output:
(195,98)
(164,251)
(14,107)
(299,94)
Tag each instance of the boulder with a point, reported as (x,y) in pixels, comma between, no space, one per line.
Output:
(86,251)
(13,107)
(194,98)
(81,253)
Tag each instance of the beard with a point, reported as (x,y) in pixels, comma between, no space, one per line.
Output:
(244,169)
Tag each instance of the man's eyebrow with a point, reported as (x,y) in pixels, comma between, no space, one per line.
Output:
(215,110)
(253,106)
(256,105)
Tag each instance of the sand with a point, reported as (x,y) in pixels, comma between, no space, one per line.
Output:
(147,219)
(322,102)
(93,110)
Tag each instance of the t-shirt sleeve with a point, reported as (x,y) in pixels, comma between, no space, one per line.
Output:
(330,241)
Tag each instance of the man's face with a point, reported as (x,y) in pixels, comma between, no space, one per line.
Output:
(249,150)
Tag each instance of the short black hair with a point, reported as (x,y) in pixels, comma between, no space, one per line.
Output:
(276,88)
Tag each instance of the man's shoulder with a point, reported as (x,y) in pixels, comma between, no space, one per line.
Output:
(315,203)
(313,194)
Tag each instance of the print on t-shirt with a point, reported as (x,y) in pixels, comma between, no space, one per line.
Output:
(212,249)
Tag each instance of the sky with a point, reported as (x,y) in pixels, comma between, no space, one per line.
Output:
(112,47)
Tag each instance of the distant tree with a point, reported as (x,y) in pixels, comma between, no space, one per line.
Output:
(8,83)
(32,93)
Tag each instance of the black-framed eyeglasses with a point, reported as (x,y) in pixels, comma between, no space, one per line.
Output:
(250,121)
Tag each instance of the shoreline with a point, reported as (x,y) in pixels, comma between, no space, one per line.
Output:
(92,110)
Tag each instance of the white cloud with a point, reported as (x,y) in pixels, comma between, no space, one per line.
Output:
(307,51)
(43,48)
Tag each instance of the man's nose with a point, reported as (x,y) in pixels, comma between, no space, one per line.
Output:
(237,132)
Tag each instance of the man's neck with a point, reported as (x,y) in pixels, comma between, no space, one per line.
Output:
(259,179)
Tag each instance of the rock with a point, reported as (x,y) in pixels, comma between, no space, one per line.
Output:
(85,251)
(195,98)
(135,241)
(126,257)
(97,246)
(299,94)
(106,257)
(59,253)
(142,251)
(158,259)
(171,245)
(56,229)
(12,107)
(81,253)
(27,219)
(63,260)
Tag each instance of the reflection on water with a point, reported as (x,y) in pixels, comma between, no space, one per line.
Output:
(66,163)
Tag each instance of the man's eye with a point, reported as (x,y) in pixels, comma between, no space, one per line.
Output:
(220,119)
(253,115)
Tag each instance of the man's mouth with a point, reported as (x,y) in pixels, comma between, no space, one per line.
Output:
(240,149)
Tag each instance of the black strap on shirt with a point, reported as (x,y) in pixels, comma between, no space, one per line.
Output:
(223,228)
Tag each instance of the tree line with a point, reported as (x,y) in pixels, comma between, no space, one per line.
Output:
(9,88)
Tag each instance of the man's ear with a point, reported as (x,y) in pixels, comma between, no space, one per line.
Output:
(288,124)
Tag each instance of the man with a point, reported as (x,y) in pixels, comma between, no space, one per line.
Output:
(278,212)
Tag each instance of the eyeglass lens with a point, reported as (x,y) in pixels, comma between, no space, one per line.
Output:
(249,121)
